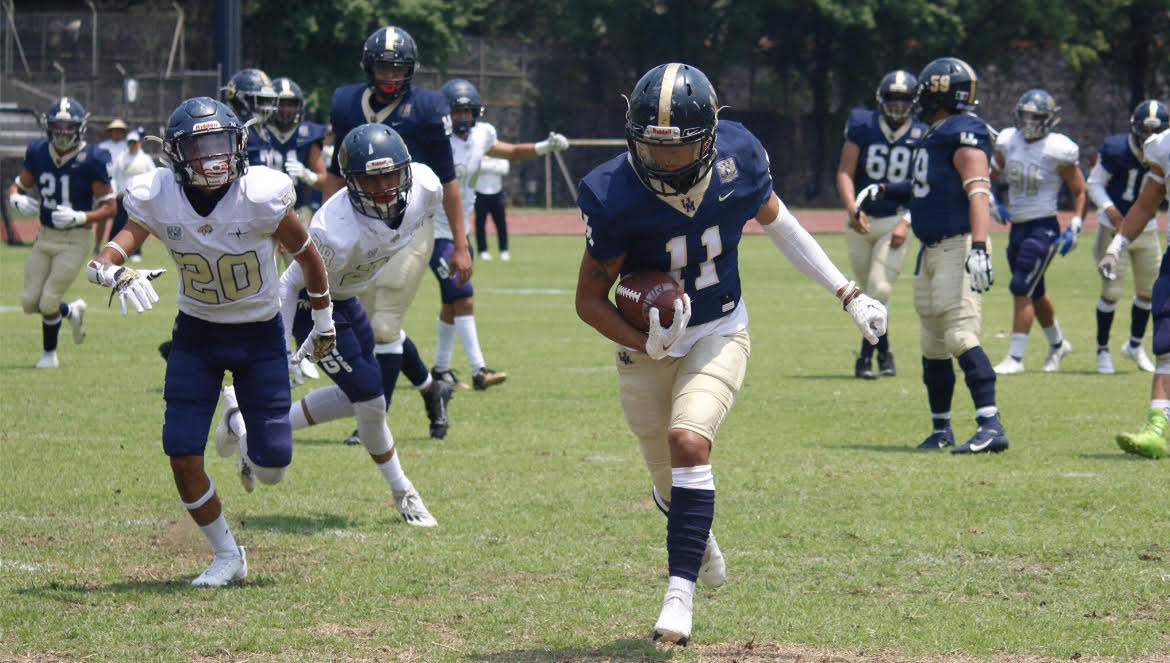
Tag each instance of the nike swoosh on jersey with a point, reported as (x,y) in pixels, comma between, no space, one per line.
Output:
(724,196)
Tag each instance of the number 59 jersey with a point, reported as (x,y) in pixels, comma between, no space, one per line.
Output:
(226,261)
(939,206)
(355,247)
(885,153)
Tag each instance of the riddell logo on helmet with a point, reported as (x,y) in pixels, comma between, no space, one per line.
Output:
(379,164)
(653,131)
(212,124)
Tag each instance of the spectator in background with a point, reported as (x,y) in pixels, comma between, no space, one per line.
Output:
(489,200)
(124,167)
(114,143)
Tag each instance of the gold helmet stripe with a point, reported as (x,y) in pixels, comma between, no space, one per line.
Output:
(974,79)
(899,79)
(65,105)
(1154,112)
(666,92)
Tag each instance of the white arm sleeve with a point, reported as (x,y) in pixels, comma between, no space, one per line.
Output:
(803,251)
(291,282)
(1098,178)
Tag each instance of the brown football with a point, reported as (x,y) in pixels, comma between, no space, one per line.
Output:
(636,293)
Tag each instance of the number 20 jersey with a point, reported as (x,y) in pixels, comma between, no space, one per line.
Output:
(225,261)
(699,243)
(885,153)
(355,247)
(939,206)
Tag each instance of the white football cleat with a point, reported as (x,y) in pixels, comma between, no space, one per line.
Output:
(309,369)
(713,569)
(1052,362)
(224,571)
(505,256)
(227,441)
(674,622)
(414,512)
(244,469)
(1104,362)
(1138,354)
(484,255)
(77,309)
(48,360)
(1009,366)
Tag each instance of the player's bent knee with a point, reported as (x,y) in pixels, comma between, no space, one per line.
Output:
(371,425)
(30,306)
(269,476)
(959,341)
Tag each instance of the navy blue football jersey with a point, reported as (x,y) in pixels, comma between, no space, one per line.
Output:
(1126,172)
(294,146)
(256,145)
(938,205)
(698,246)
(69,184)
(885,155)
(422,117)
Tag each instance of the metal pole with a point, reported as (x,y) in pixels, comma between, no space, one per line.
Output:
(58,67)
(93,10)
(547,181)
(175,38)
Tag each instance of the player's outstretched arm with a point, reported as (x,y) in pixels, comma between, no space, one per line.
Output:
(524,151)
(131,285)
(1135,220)
(295,240)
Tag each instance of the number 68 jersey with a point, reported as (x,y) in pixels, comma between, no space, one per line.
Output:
(226,261)
(885,153)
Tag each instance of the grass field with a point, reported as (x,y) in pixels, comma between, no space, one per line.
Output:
(843,544)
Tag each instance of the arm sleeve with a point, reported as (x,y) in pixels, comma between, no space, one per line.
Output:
(291,282)
(803,251)
(494,165)
(1098,178)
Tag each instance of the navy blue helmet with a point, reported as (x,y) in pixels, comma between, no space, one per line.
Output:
(205,142)
(947,84)
(285,117)
(369,157)
(1149,117)
(250,94)
(394,47)
(672,105)
(64,123)
(895,95)
(1036,114)
(461,93)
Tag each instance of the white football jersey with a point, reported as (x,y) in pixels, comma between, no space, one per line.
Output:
(356,247)
(468,154)
(1156,153)
(226,261)
(1032,171)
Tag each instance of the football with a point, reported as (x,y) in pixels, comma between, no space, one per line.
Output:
(636,293)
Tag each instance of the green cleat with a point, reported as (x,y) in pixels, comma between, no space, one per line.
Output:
(1150,441)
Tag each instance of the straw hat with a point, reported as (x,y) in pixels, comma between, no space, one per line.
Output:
(116,124)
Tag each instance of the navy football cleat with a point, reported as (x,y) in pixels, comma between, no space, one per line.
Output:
(939,439)
(989,438)
(863,369)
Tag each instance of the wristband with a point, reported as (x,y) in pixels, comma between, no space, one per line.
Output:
(323,319)
(850,293)
(117,247)
(317,295)
(1118,244)
(21,187)
(979,246)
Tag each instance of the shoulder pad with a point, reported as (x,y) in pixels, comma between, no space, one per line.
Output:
(424,178)
(1156,151)
(262,184)
(1004,136)
(147,186)
(858,119)
(1062,148)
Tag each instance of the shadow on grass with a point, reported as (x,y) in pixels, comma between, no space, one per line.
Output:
(619,651)
(69,592)
(296,524)
(883,448)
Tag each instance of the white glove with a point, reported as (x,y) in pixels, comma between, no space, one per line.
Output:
(134,285)
(1107,266)
(25,204)
(868,194)
(298,171)
(979,267)
(660,340)
(295,376)
(64,218)
(1075,225)
(554,143)
(317,346)
(870,316)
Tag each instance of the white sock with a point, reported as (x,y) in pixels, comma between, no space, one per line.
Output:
(681,584)
(392,471)
(219,535)
(985,412)
(236,423)
(444,344)
(1055,338)
(469,339)
(1018,345)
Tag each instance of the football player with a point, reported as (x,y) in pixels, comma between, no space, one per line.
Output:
(1150,441)
(72,179)
(252,97)
(877,148)
(221,222)
(1035,160)
(357,231)
(1114,184)
(470,142)
(295,143)
(949,196)
(677,202)
(422,118)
